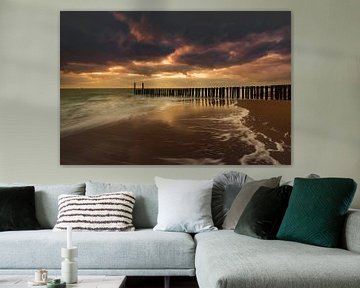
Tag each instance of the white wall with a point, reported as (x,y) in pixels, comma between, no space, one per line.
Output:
(326,89)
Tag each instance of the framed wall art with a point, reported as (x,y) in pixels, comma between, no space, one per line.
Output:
(175,87)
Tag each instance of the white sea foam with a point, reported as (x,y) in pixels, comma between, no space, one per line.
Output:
(235,128)
(240,131)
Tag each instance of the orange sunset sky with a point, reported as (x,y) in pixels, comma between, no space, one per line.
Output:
(174,49)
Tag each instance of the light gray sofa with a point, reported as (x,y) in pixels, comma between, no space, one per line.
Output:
(226,259)
(220,259)
(143,252)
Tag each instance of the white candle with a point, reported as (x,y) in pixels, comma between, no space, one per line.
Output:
(69,237)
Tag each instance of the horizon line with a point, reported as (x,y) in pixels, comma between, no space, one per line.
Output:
(139,87)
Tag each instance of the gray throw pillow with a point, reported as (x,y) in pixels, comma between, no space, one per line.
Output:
(242,199)
(46,200)
(226,187)
(184,205)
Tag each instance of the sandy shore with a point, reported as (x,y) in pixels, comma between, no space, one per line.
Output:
(273,120)
(185,134)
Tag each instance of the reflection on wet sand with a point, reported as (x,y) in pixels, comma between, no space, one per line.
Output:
(210,102)
(188,131)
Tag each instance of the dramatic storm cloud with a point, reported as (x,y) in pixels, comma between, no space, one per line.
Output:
(115,49)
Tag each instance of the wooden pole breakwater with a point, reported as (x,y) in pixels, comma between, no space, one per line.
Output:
(264,92)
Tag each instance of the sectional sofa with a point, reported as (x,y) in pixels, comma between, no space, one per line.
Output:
(219,259)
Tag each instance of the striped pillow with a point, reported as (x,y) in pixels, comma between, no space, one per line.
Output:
(105,212)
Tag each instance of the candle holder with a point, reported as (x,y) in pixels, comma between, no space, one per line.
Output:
(69,271)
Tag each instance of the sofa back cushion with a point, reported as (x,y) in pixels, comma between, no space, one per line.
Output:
(146,204)
(46,200)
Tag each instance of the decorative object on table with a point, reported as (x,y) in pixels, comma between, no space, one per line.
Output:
(41,275)
(68,265)
(56,283)
(196,88)
(40,278)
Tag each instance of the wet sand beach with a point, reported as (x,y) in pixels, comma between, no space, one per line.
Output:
(274,121)
(197,132)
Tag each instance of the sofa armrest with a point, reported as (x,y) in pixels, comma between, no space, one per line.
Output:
(351,234)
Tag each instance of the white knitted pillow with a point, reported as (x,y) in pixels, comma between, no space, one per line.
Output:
(105,212)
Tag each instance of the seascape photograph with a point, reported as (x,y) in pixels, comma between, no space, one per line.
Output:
(175,88)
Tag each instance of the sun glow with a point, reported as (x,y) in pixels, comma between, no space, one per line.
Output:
(170,75)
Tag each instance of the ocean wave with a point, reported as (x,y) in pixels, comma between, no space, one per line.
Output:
(239,131)
(233,127)
(86,111)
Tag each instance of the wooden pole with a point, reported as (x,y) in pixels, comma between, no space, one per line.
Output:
(273,92)
(289,92)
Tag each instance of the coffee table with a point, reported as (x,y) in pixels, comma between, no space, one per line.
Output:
(84,281)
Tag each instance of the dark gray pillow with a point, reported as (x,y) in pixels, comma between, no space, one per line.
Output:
(243,198)
(226,187)
(263,215)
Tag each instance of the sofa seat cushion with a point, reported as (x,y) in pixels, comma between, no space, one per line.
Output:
(226,259)
(141,249)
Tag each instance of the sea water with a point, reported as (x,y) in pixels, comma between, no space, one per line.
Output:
(89,108)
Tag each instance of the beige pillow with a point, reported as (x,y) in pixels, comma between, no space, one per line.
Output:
(243,198)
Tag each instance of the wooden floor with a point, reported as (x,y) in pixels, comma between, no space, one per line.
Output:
(158,282)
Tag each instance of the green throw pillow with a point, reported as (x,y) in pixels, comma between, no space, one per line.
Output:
(316,211)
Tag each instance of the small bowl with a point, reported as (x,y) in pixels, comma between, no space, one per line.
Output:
(56,283)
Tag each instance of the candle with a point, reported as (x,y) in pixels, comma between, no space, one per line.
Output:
(69,237)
